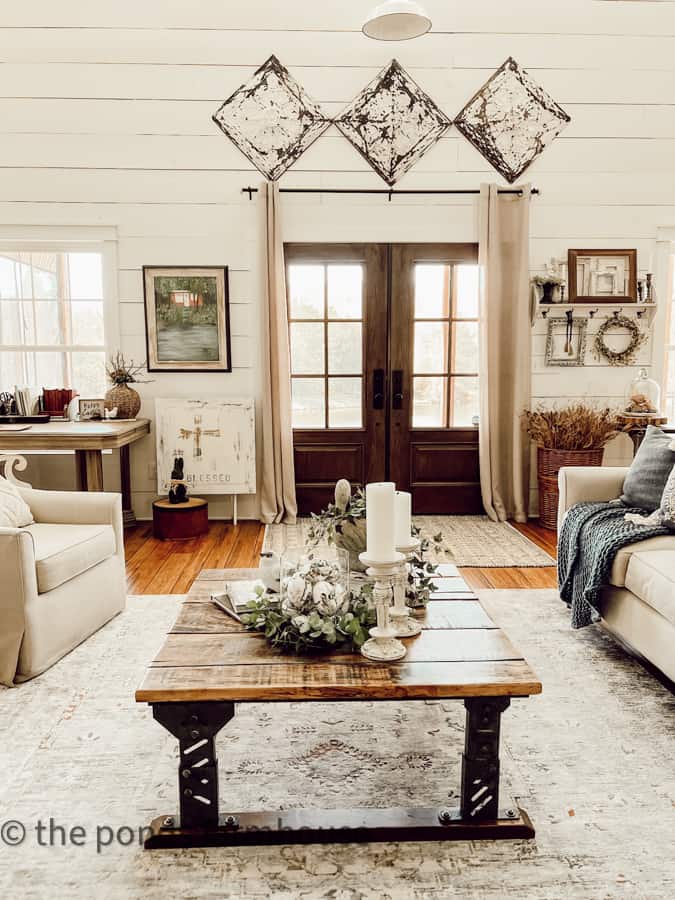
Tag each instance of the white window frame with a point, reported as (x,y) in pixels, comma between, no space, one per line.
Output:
(56,239)
(664,283)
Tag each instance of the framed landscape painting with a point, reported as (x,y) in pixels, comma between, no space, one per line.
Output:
(187,318)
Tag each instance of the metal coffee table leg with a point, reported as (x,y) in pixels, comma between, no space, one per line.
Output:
(479,798)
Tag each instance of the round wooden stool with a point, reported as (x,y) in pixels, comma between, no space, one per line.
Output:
(180,521)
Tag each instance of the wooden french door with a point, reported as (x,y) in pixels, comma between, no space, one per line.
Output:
(384,348)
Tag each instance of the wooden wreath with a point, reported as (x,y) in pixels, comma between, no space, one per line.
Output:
(626,356)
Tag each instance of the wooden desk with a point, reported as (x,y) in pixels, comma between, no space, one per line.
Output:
(88,440)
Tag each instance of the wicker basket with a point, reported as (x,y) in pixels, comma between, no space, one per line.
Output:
(549,463)
(126,399)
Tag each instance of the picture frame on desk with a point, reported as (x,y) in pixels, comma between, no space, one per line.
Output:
(91,410)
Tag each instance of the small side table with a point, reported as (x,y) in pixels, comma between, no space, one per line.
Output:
(180,521)
(636,427)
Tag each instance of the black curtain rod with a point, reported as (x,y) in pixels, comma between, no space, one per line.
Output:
(388,193)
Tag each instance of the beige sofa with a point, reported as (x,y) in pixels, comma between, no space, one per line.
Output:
(638,606)
(61,578)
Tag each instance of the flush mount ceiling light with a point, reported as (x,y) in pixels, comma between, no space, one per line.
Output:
(397,20)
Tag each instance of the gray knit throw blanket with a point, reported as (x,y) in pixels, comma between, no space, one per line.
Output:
(591,536)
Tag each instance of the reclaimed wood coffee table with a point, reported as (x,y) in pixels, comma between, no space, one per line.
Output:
(209,662)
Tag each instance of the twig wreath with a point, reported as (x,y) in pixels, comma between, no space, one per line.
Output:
(623,357)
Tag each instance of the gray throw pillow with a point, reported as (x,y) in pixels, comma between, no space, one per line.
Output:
(665,514)
(645,480)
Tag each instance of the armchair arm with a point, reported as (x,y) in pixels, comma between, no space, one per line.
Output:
(17,564)
(579,483)
(77,508)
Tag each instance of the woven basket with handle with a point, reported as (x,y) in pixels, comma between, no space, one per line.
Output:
(549,463)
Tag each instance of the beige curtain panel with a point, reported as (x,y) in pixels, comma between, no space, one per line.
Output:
(278,503)
(505,352)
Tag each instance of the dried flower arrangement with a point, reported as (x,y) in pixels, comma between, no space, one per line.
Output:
(578,426)
(119,371)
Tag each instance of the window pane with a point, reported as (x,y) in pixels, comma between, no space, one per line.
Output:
(431,347)
(89,374)
(307,349)
(431,291)
(344,402)
(464,400)
(49,370)
(85,276)
(466,300)
(11,370)
(345,345)
(87,322)
(10,279)
(306,291)
(44,276)
(465,351)
(27,322)
(429,402)
(47,321)
(11,327)
(309,403)
(345,292)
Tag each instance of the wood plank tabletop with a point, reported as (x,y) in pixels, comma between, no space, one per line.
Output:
(209,656)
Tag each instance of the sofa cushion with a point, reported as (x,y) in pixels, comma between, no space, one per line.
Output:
(617,576)
(64,551)
(646,478)
(14,511)
(651,576)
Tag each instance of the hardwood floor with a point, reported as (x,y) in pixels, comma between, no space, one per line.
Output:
(170,567)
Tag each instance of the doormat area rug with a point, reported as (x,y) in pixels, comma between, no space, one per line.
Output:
(471,541)
(590,760)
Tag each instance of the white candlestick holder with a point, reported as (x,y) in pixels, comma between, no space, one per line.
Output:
(383,644)
(401,621)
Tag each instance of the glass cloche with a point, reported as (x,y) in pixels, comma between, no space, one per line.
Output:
(643,397)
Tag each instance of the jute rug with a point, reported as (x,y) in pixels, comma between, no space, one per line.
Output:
(471,541)
(591,760)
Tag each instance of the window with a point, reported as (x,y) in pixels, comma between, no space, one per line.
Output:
(445,355)
(668,386)
(52,321)
(326,330)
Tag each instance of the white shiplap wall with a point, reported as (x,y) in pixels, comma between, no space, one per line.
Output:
(105,120)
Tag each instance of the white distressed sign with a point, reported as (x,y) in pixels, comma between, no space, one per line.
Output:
(215,439)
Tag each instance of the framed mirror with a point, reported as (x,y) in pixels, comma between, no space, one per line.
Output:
(602,276)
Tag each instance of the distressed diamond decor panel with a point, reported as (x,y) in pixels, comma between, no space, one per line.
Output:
(511,120)
(271,119)
(392,123)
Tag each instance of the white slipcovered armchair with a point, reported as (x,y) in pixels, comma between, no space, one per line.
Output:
(61,578)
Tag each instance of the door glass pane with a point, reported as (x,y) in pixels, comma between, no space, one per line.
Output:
(307,348)
(466,299)
(345,348)
(89,373)
(431,291)
(344,402)
(431,347)
(86,277)
(306,291)
(429,402)
(309,403)
(47,320)
(465,350)
(345,292)
(464,400)
(87,316)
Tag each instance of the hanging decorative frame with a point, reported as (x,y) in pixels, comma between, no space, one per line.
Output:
(625,357)
(566,341)
(392,123)
(271,119)
(511,120)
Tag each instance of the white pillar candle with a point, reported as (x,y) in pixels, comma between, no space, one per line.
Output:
(380,520)
(402,512)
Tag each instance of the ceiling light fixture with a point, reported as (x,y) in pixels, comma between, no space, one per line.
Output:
(397,20)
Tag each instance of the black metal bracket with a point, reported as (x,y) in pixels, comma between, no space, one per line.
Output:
(196,725)
(479,794)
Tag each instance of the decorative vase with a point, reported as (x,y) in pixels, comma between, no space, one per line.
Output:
(548,288)
(353,540)
(125,398)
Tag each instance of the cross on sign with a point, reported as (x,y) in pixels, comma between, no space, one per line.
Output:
(197,432)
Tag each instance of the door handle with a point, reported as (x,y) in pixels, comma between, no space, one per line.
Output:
(397,389)
(378,388)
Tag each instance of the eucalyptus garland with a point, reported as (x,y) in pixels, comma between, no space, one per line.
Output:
(623,357)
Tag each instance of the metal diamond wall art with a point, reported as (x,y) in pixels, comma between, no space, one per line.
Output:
(511,120)
(392,123)
(271,119)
